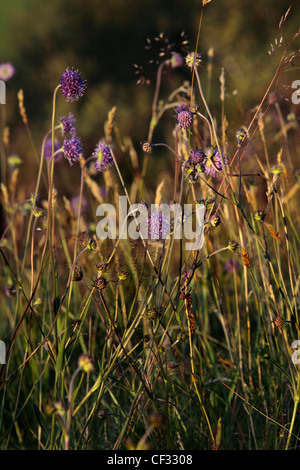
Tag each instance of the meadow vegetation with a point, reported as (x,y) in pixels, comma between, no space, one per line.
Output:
(143,344)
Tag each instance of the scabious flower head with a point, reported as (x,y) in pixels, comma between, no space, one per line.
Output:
(68,126)
(158,226)
(197,157)
(214,162)
(73,149)
(48,150)
(7,71)
(185,119)
(104,157)
(72,85)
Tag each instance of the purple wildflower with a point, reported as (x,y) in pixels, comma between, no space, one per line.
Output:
(48,150)
(72,149)
(197,157)
(185,119)
(158,226)
(104,157)
(7,71)
(72,85)
(214,162)
(68,125)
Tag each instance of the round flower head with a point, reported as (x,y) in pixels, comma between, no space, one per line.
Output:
(72,85)
(68,125)
(7,71)
(185,119)
(158,226)
(104,157)
(72,149)
(48,150)
(197,157)
(193,58)
(213,163)
(146,146)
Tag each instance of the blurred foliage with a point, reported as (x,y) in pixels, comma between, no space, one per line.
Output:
(105,38)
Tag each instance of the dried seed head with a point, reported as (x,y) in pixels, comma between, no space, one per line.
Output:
(273,232)
(147,147)
(245,258)
(153,313)
(215,220)
(241,135)
(77,274)
(233,246)
(101,268)
(92,245)
(100,283)
(279,321)
(101,415)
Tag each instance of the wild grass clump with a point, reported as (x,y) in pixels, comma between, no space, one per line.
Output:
(124,343)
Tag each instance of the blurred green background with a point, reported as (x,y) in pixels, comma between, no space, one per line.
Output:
(105,38)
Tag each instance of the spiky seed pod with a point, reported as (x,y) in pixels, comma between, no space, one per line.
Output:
(233,246)
(101,268)
(77,274)
(100,283)
(153,313)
